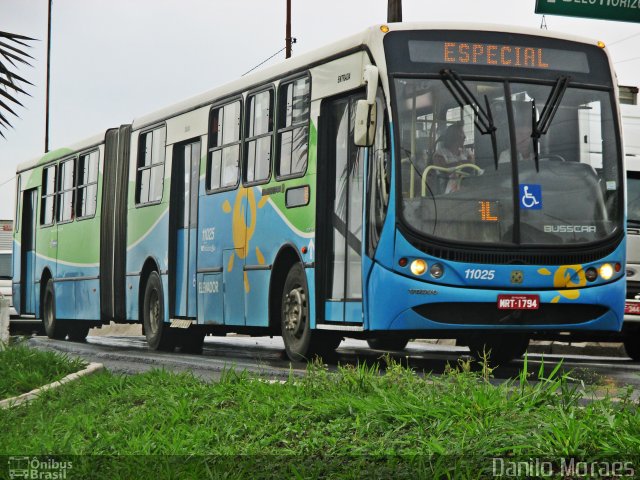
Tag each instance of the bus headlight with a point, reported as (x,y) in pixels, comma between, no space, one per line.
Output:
(418,267)
(606,271)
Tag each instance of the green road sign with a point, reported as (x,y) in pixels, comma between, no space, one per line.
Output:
(620,10)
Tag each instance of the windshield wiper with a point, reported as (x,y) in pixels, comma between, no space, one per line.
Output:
(483,119)
(541,126)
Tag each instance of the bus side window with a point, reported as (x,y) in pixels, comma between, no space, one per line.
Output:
(150,177)
(87,185)
(223,160)
(294,100)
(66,189)
(48,195)
(380,178)
(259,137)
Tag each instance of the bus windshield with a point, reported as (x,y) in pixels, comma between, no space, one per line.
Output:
(508,162)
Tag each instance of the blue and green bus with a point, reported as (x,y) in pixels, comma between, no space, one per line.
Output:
(315,200)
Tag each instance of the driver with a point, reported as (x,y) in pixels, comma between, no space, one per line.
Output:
(450,152)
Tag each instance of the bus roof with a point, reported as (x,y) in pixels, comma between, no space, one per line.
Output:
(63,152)
(370,37)
(365,38)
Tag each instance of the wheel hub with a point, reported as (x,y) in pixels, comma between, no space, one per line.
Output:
(294,311)
(154,311)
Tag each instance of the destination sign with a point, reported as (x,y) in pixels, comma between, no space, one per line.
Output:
(620,10)
(498,55)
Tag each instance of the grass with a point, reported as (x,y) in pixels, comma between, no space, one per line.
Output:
(22,369)
(356,423)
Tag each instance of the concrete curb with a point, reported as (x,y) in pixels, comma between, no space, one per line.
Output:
(33,394)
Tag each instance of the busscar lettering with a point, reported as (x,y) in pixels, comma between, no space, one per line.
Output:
(570,229)
(493,54)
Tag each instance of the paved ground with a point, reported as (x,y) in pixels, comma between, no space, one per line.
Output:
(265,356)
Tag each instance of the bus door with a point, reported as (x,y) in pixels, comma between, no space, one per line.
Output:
(339,213)
(28,251)
(186,180)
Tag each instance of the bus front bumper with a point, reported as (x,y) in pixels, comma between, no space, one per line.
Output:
(398,303)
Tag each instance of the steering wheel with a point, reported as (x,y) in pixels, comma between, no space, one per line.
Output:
(458,169)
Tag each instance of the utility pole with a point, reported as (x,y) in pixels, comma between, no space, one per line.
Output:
(394,11)
(46,127)
(288,39)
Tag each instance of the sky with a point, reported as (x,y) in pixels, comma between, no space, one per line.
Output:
(115,60)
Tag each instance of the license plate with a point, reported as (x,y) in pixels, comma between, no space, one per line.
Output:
(632,308)
(518,302)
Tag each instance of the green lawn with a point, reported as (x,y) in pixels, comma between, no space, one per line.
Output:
(356,423)
(22,369)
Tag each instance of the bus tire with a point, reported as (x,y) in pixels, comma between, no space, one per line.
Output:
(294,315)
(53,327)
(78,331)
(388,343)
(500,348)
(632,346)
(157,332)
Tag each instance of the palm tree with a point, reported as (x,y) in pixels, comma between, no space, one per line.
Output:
(12,54)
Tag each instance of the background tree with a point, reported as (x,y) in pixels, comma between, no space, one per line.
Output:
(12,53)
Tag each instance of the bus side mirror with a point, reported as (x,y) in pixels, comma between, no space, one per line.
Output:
(364,131)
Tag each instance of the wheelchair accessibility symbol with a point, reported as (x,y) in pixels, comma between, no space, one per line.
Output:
(531,196)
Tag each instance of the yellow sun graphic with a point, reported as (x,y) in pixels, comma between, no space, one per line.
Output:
(562,278)
(242,233)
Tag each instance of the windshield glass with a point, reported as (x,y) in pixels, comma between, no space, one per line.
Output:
(463,178)
(5,265)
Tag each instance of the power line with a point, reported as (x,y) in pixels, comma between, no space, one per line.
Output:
(265,61)
(7,181)
(627,60)
(624,39)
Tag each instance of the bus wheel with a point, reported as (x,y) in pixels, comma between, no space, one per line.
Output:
(500,348)
(54,328)
(632,346)
(388,343)
(157,332)
(295,315)
(78,331)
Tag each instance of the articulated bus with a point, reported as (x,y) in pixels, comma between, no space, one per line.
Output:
(313,200)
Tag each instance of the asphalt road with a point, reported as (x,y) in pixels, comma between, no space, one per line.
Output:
(265,356)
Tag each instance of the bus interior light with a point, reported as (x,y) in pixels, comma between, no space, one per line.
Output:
(606,271)
(591,274)
(436,270)
(418,267)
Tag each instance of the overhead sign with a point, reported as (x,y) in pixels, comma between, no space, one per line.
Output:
(620,10)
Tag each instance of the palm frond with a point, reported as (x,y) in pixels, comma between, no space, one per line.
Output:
(12,54)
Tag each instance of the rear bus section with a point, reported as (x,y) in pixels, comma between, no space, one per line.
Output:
(64,253)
